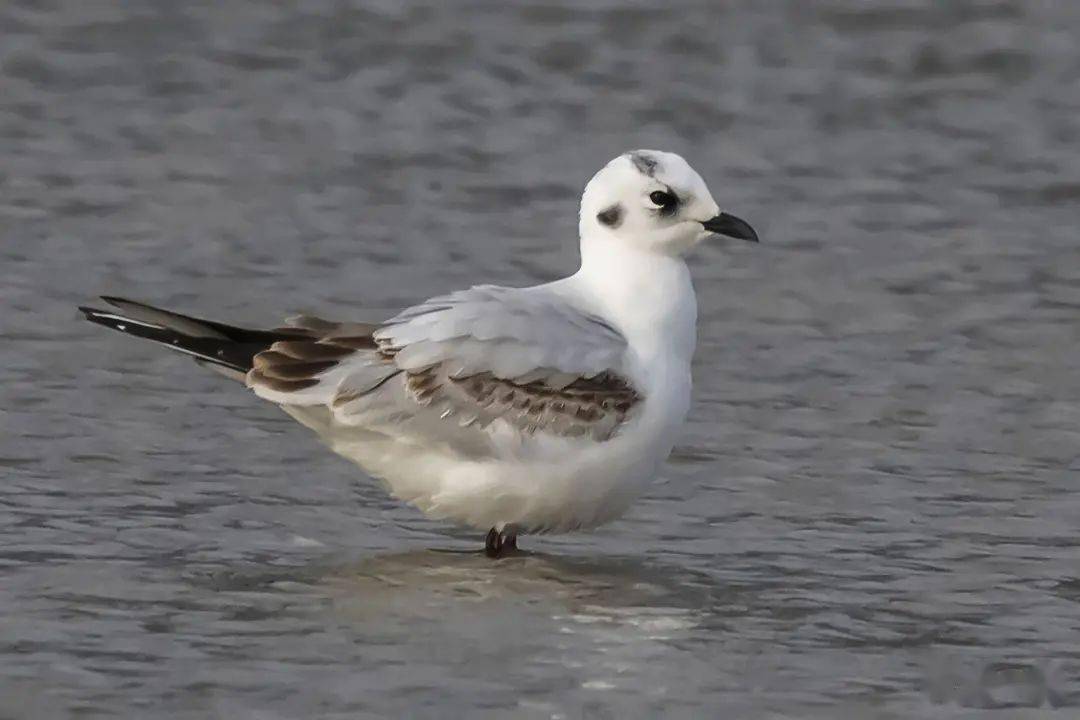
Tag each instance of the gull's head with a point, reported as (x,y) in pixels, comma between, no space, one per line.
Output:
(656,202)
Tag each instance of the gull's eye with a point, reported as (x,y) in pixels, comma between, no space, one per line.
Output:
(667,202)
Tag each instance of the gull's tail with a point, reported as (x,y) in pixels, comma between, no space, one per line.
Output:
(227,348)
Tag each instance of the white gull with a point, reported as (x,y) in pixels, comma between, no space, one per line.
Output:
(512,410)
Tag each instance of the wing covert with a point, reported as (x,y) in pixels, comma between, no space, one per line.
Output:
(465,360)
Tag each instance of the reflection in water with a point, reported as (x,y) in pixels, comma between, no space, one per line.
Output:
(624,592)
(613,625)
(653,601)
(622,625)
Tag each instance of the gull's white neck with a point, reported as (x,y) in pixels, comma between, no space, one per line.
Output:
(648,296)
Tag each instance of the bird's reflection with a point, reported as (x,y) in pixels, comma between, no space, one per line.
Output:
(439,584)
(650,600)
(470,575)
(606,622)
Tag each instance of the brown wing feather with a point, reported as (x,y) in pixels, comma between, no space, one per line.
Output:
(297,363)
(594,407)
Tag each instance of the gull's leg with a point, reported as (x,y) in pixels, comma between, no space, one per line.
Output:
(493,544)
(500,542)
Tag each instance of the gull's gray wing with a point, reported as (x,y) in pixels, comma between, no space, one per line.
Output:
(462,361)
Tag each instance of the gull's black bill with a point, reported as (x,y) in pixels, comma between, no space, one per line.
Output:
(724,224)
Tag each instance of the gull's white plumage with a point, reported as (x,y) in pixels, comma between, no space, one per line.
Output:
(630,310)
(497,475)
(539,409)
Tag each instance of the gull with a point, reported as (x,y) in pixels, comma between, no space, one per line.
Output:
(541,409)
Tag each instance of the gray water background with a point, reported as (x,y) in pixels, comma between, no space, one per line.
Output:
(872,512)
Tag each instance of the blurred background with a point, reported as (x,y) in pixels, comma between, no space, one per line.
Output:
(872,511)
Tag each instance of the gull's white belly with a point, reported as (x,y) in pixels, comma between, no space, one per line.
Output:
(537,483)
(582,486)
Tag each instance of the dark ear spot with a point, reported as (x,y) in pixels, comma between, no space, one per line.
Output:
(610,217)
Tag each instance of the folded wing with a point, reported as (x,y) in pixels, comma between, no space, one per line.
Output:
(461,362)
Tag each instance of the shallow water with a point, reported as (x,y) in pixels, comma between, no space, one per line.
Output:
(872,511)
